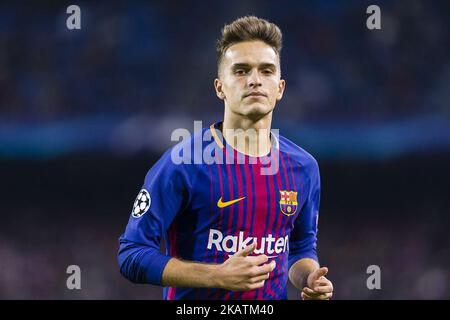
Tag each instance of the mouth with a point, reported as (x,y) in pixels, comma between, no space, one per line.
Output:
(255,94)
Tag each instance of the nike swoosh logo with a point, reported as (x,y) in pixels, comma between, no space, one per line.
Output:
(221,204)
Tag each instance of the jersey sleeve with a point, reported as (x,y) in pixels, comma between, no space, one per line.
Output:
(165,194)
(303,240)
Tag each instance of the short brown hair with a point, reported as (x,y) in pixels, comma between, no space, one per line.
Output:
(249,28)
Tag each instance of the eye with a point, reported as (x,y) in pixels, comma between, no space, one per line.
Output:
(239,72)
(267,71)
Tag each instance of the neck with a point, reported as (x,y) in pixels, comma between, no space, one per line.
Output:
(246,135)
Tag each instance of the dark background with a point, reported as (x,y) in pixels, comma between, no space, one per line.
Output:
(85,113)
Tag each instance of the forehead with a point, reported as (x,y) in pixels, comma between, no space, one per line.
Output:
(250,52)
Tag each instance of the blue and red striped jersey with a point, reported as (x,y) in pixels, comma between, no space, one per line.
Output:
(208,210)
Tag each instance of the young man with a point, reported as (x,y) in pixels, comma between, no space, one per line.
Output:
(234,227)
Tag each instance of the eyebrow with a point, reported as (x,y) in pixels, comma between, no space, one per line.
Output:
(246,66)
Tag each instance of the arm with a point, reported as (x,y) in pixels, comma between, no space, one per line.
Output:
(307,276)
(239,273)
(304,269)
(141,263)
(139,256)
(300,270)
(178,273)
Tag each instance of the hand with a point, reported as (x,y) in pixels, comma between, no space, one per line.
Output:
(318,287)
(242,272)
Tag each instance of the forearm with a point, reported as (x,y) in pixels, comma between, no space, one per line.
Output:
(178,273)
(300,270)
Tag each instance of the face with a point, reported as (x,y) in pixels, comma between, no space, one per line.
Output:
(249,79)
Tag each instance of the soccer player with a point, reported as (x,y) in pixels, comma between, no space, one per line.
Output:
(240,226)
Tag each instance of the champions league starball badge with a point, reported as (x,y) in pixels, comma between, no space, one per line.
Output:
(141,204)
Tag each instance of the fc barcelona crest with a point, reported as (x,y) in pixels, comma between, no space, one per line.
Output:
(288,202)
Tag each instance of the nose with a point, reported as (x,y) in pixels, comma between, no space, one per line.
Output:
(254,79)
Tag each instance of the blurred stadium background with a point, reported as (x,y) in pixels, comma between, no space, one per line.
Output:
(84,114)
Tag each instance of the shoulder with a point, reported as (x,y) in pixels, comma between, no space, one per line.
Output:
(182,158)
(299,155)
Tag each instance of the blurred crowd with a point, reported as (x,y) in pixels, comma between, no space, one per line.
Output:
(355,97)
(71,211)
(414,263)
(159,58)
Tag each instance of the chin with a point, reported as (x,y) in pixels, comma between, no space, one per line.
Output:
(257,110)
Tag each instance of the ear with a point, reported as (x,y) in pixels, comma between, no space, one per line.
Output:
(218,86)
(281,86)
